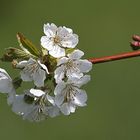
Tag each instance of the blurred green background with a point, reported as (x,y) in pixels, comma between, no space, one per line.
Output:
(104,28)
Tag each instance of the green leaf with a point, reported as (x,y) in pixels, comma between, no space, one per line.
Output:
(27,45)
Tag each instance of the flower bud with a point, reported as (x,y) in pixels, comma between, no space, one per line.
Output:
(135,45)
(136,38)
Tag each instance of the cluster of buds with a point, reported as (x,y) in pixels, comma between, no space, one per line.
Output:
(135,44)
(56,71)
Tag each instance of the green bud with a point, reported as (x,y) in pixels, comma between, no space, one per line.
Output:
(14,53)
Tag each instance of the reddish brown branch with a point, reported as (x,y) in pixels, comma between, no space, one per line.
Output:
(115,57)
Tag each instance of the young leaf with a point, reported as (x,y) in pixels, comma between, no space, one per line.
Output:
(27,45)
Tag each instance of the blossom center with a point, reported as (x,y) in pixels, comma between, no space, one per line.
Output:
(69,93)
(69,64)
(56,39)
(32,67)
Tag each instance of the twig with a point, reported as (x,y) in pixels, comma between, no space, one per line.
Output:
(115,57)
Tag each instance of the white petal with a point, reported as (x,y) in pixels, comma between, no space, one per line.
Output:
(3,72)
(62,60)
(39,77)
(59,74)
(80,98)
(47,43)
(50,29)
(62,32)
(6,85)
(59,99)
(37,92)
(11,97)
(82,81)
(57,52)
(73,74)
(51,99)
(34,114)
(70,41)
(22,64)
(19,106)
(68,29)
(84,65)
(65,109)
(31,61)
(76,54)
(44,67)
(59,88)
(53,111)
(25,76)
(72,107)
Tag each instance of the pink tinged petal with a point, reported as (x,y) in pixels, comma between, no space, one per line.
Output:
(70,41)
(59,99)
(50,29)
(62,60)
(59,88)
(84,65)
(59,74)
(76,54)
(39,77)
(57,52)
(65,109)
(47,43)
(37,92)
(80,97)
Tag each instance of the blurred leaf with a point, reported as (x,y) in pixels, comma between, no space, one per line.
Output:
(27,45)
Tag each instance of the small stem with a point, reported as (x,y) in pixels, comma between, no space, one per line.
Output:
(115,57)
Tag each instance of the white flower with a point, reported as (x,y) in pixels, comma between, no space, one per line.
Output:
(33,70)
(57,39)
(35,105)
(72,66)
(6,85)
(68,95)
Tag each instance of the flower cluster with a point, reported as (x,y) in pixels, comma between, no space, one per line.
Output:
(56,71)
